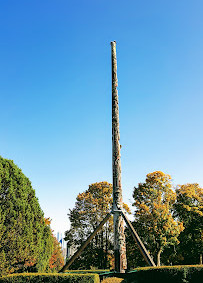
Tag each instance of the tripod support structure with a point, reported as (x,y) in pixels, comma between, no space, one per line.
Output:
(137,239)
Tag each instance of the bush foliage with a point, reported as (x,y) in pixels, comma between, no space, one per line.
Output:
(50,278)
(113,280)
(97,271)
(172,274)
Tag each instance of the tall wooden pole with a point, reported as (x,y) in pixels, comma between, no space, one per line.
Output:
(119,215)
(119,236)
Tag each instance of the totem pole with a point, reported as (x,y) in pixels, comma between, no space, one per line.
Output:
(119,236)
(119,215)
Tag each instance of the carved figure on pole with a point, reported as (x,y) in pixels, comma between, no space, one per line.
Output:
(119,236)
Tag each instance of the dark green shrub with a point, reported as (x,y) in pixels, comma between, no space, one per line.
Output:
(172,274)
(195,274)
(50,278)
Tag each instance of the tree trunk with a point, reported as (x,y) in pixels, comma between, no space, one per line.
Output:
(102,248)
(200,259)
(159,258)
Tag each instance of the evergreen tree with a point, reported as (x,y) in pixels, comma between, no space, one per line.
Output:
(25,240)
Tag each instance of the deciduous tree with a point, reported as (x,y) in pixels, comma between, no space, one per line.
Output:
(56,261)
(154,221)
(90,208)
(189,210)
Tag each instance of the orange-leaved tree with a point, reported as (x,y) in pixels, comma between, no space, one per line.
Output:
(56,261)
(154,220)
(90,209)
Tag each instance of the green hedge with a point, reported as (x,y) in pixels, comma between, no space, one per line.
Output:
(167,274)
(50,278)
(113,280)
(96,271)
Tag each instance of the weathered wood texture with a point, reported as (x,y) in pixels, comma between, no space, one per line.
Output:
(119,236)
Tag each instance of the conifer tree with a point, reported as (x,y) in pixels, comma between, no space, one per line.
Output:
(25,241)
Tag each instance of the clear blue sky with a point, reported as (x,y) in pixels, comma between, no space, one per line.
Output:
(55,93)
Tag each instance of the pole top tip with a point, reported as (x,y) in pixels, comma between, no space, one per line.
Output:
(112,42)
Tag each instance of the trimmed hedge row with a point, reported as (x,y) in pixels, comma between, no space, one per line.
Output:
(167,274)
(97,271)
(162,274)
(113,280)
(50,278)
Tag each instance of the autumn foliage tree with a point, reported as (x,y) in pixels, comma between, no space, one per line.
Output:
(154,221)
(189,210)
(56,261)
(90,209)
